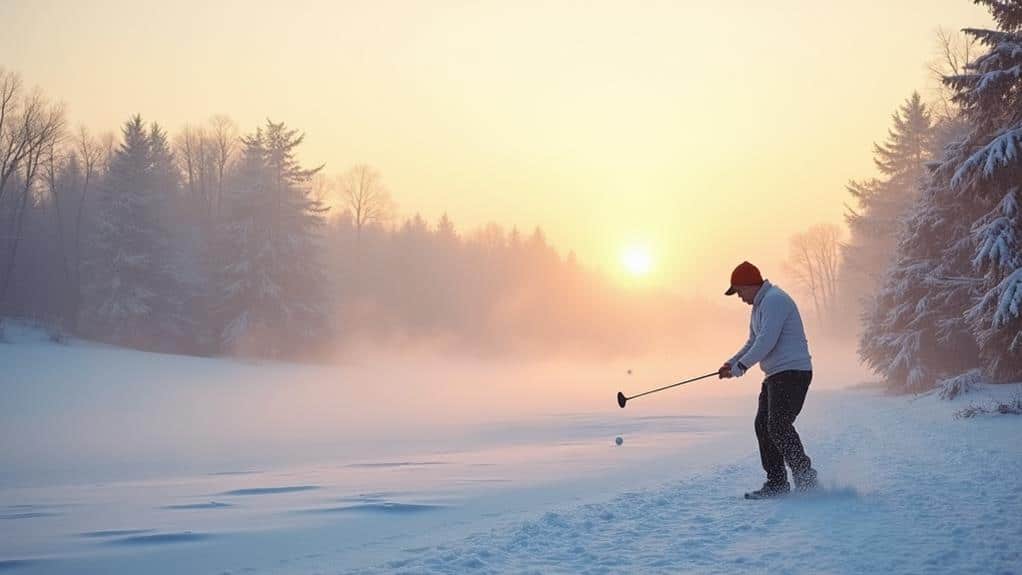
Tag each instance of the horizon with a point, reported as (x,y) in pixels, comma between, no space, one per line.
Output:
(596,141)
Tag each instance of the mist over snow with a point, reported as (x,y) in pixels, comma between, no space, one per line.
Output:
(361,287)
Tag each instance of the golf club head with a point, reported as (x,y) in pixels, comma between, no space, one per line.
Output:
(621,399)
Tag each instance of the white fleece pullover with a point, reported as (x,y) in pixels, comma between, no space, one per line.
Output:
(777,339)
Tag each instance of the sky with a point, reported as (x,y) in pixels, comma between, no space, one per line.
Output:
(699,133)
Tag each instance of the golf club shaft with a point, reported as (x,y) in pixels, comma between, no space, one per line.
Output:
(673,385)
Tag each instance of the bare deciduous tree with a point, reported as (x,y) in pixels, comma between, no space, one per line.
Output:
(188,147)
(954,50)
(108,145)
(204,155)
(813,260)
(56,165)
(365,196)
(223,134)
(12,140)
(31,126)
(81,159)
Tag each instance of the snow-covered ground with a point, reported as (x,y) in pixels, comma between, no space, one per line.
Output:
(908,491)
(124,462)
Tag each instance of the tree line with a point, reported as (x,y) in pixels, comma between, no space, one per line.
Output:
(217,242)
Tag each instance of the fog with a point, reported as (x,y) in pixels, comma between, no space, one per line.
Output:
(89,412)
(203,302)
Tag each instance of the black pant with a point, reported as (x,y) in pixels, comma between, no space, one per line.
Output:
(780,402)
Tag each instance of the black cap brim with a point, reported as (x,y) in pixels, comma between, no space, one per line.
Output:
(731,291)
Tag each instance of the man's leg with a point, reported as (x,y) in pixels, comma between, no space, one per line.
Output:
(769,455)
(786,392)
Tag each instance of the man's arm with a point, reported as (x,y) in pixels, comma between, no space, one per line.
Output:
(730,367)
(748,344)
(775,312)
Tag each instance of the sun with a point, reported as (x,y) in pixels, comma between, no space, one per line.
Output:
(637,260)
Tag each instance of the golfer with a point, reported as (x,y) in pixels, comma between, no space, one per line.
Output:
(777,341)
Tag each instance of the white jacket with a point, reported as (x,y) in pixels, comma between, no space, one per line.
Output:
(777,338)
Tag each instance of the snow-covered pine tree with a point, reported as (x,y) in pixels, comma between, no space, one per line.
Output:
(132,284)
(274,289)
(952,301)
(989,174)
(913,330)
(173,308)
(881,203)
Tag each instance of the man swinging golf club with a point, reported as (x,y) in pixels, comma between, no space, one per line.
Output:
(777,341)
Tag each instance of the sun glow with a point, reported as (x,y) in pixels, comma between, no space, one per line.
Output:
(637,260)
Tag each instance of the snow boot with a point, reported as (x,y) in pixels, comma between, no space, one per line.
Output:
(769,490)
(806,481)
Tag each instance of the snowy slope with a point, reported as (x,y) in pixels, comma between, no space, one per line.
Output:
(910,490)
(123,462)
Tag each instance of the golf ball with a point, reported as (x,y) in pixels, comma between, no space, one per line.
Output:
(618,440)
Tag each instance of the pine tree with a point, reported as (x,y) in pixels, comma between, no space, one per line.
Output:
(883,202)
(953,299)
(273,290)
(989,175)
(908,142)
(133,285)
(913,330)
(445,229)
(171,308)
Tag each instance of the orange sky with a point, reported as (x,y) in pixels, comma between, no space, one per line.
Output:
(709,133)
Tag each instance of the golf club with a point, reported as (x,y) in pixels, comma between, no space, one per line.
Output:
(621,399)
